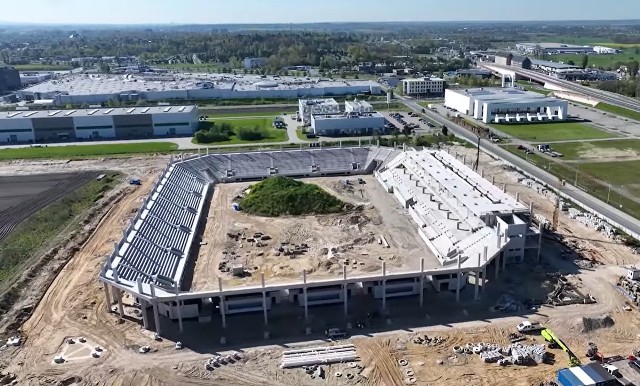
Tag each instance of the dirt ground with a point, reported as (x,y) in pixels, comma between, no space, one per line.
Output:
(74,305)
(329,241)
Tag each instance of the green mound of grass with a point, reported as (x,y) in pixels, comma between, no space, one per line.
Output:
(278,196)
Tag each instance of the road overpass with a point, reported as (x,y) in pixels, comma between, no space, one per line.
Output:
(555,83)
(625,222)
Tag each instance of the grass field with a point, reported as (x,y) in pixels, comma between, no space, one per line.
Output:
(621,111)
(542,132)
(33,233)
(214,115)
(83,151)
(615,173)
(601,61)
(266,124)
(589,150)
(303,136)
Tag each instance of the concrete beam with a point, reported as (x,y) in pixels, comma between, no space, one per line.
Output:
(264,300)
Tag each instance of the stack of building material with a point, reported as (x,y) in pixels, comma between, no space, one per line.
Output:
(319,355)
(490,356)
(524,354)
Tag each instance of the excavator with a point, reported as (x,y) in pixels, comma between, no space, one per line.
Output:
(555,342)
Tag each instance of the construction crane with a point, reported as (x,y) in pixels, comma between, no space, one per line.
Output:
(555,342)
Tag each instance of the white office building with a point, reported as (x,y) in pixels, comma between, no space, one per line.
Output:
(357,106)
(506,105)
(428,87)
(347,124)
(308,107)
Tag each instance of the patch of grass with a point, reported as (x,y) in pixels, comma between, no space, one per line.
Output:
(553,131)
(600,61)
(84,151)
(277,196)
(617,110)
(303,136)
(573,150)
(238,125)
(214,114)
(33,233)
(594,178)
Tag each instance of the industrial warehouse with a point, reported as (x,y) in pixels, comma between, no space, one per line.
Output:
(460,228)
(100,88)
(106,123)
(506,105)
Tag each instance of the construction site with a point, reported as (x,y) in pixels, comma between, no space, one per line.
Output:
(436,332)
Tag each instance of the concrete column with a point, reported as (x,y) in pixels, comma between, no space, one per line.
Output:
(222,305)
(497,263)
(504,188)
(344,290)
(120,305)
(477,273)
(504,263)
(485,253)
(530,212)
(484,278)
(539,243)
(517,196)
(264,300)
(464,159)
(179,309)
(458,282)
(304,294)
(421,281)
(384,285)
(107,297)
(143,308)
(493,180)
(482,173)
(154,304)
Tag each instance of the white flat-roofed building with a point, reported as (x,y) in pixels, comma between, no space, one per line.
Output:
(330,125)
(506,105)
(308,107)
(461,216)
(429,87)
(605,50)
(106,123)
(553,48)
(357,106)
(77,89)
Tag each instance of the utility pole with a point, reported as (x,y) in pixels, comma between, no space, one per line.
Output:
(475,165)
(609,193)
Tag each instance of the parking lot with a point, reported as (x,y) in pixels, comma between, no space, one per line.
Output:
(416,123)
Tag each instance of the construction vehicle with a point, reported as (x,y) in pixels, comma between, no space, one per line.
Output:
(555,342)
(594,354)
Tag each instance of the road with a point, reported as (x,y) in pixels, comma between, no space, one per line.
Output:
(577,195)
(605,96)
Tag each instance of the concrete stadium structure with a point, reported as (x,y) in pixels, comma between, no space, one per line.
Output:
(470,224)
(78,89)
(112,123)
(506,105)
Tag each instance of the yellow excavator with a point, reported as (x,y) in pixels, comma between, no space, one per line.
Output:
(555,342)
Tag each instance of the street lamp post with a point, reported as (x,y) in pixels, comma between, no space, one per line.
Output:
(609,193)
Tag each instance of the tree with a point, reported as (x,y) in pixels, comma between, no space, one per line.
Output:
(571,63)
(68,106)
(633,68)
(445,131)
(585,61)
(356,76)
(85,105)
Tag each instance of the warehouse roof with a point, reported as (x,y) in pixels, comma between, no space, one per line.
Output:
(588,375)
(96,112)
(498,93)
(78,84)
(551,45)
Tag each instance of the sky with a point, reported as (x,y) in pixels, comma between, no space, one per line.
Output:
(307,11)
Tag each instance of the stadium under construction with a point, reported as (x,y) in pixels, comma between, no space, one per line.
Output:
(470,228)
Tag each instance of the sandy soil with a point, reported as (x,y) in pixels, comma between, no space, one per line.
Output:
(74,305)
(350,239)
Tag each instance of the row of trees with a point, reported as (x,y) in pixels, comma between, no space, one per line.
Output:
(223,131)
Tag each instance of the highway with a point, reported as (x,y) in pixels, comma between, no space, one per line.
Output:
(631,224)
(604,96)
